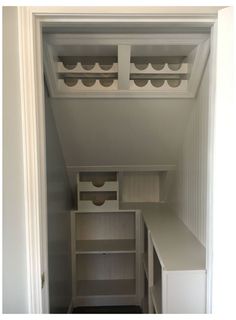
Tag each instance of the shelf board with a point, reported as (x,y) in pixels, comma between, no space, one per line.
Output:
(108,186)
(105,287)
(156,299)
(89,206)
(105,246)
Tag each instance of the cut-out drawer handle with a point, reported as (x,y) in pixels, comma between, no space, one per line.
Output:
(98,202)
(98,184)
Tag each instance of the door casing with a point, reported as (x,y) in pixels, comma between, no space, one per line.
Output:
(31,21)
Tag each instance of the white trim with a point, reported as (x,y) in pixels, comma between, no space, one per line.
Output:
(223,222)
(209,214)
(40,103)
(30,154)
(69,39)
(31,78)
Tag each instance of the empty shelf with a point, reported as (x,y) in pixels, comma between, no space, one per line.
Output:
(105,246)
(105,287)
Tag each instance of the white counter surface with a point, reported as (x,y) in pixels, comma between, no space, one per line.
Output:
(175,244)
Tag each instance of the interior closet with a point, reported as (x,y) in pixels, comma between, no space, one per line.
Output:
(126,113)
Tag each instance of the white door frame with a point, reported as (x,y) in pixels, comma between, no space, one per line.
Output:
(31,20)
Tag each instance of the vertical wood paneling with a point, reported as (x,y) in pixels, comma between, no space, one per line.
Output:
(189,196)
(140,187)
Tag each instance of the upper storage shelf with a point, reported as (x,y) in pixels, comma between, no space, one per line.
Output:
(104,65)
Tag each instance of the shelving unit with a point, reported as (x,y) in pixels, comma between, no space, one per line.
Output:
(154,65)
(105,246)
(97,191)
(106,287)
(135,253)
(105,257)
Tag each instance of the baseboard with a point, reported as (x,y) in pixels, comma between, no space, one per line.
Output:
(70,308)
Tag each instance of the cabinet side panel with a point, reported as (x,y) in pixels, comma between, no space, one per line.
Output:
(185,292)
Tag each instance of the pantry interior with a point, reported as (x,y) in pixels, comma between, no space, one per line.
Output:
(126,114)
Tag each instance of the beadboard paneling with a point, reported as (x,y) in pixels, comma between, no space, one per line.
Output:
(191,176)
(140,187)
(107,225)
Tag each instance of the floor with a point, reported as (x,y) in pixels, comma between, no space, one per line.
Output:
(108,309)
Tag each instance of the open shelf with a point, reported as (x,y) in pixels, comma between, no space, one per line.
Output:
(105,266)
(105,246)
(98,197)
(106,287)
(97,178)
(105,226)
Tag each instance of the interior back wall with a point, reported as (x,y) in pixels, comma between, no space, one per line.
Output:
(121,131)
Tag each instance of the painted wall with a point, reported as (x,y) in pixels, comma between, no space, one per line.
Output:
(15,292)
(59,203)
(115,132)
(121,131)
(189,193)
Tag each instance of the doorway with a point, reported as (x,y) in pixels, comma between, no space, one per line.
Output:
(37,113)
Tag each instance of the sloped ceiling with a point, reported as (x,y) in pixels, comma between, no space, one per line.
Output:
(102,132)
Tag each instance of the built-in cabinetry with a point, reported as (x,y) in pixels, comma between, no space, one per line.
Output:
(173,263)
(105,244)
(134,253)
(125,65)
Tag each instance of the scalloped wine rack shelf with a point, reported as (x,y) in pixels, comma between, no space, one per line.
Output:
(151,66)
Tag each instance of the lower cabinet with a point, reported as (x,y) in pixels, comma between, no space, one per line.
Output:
(183,291)
(171,286)
(137,257)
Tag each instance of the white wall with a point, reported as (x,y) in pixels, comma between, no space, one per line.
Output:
(121,131)
(59,205)
(191,176)
(15,299)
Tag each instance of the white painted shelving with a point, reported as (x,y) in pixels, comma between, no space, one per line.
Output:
(125,65)
(106,287)
(105,245)
(135,253)
(97,192)
(175,267)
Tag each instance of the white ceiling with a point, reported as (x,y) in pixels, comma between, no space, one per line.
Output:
(97,132)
